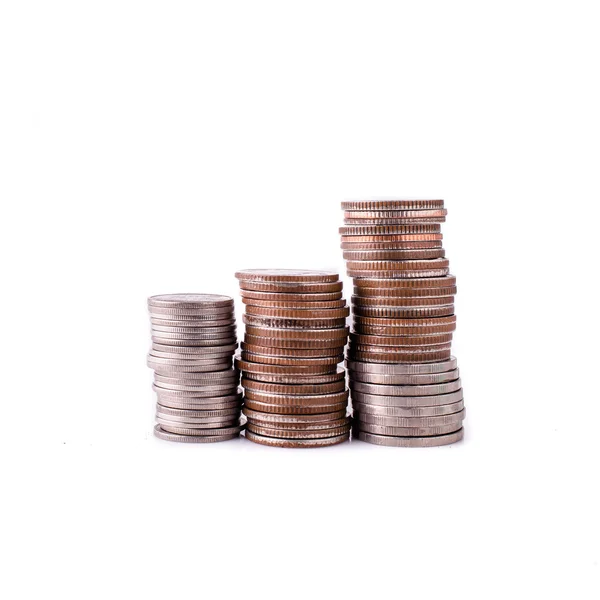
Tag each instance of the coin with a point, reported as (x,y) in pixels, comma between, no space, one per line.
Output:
(190,301)
(166,351)
(285,443)
(202,403)
(434,367)
(397,274)
(409,431)
(303,313)
(193,331)
(195,439)
(322,378)
(287,275)
(415,221)
(169,371)
(299,408)
(292,360)
(294,305)
(399,215)
(216,431)
(190,321)
(405,390)
(351,244)
(177,413)
(365,230)
(392,255)
(402,330)
(197,423)
(195,392)
(401,302)
(414,357)
(313,335)
(410,422)
(411,442)
(404,313)
(211,377)
(300,430)
(413,379)
(414,411)
(294,389)
(410,323)
(385,205)
(293,369)
(425,283)
(291,287)
(396,348)
(291,297)
(313,419)
(403,292)
(397,265)
(294,323)
(301,400)
(166,341)
(407,401)
(294,434)
(254,344)
(398,237)
(331,346)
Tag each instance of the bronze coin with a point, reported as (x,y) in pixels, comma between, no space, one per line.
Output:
(299,324)
(397,265)
(290,287)
(311,419)
(425,322)
(404,313)
(397,275)
(382,348)
(297,409)
(384,205)
(413,331)
(293,297)
(389,255)
(293,389)
(297,400)
(295,305)
(308,347)
(381,340)
(362,230)
(253,344)
(402,292)
(399,215)
(380,222)
(401,302)
(312,335)
(390,245)
(404,358)
(298,379)
(300,361)
(302,434)
(286,443)
(399,237)
(287,275)
(289,370)
(289,313)
(430,282)
(323,426)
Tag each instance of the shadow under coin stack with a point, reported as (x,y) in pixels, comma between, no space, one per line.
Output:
(193,343)
(405,386)
(295,395)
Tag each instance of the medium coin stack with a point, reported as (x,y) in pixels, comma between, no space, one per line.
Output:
(404,384)
(193,343)
(295,395)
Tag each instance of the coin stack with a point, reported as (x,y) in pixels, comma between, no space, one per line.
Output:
(193,343)
(295,395)
(405,385)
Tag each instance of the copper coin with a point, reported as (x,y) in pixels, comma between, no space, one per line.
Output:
(411,442)
(295,379)
(296,409)
(388,322)
(363,230)
(380,222)
(389,246)
(292,297)
(298,400)
(408,401)
(413,379)
(434,367)
(295,434)
(292,360)
(414,357)
(194,439)
(291,287)
(298,334)
(399,237)
(408,431)
(296,429)
(287,275)
(315,369)
(289,313)
(392,255)
(401,302)
(414,411)
(327,347)
(252,345)
(190,301)
(385,205)
(400,291)
(406,390)
(294,323)
(398,350)
(455,419)
(404,313)
(397,265)
(358,341)
(301,389)
(294,305)
(398,331)
(435,213)
(430,282)
(285,443)
(311,419)
(397,275)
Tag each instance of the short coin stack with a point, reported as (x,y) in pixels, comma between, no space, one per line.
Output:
(193,343)
(404,383)
(295,395)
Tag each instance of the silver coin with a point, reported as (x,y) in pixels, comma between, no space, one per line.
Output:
(439,421)
(191,301)
(402,369)
(176,370)
(415,411)
(408,431)
(194,331)
(188,322)
(186,316)
(192,439)
(216,335)
(227,430)
(168,412)
(203,403)
(410,442)
(295,443)
(408,401)
(204,343)
(420,379)
(192,352)
(212,391)
(197,423)
(207,388)
(405,390)
(312,419)
(209,378)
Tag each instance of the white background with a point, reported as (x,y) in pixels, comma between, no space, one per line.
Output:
(157,147)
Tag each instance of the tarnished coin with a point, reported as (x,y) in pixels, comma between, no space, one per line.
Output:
(291,287)
(294,305)
(285,443)
(405,390)
(299,361)
(364,230)
(414,357)
(314,335)
(190,301)
(294,323)
(291,297)
(306,313)
(287,275)
(296,389)
(408,422)
(394,312)
(408,431)
(397,274)
(339,375)
(311,419)
(407,401)
(430,282)
(411,442)
(401,411)
(295,434)
(193,439)
(295,409)
(413,379)
(386,205)
(294,369)
(391,255)
(403,292)
(401,302)
(434,367)
(287,399)
(399,215)
(255,345)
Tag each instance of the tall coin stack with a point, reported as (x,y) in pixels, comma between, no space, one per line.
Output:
(193,343)
(295,395)
(405,385)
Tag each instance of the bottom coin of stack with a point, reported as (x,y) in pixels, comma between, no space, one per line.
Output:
(407,404)
(295,395)
(193,342)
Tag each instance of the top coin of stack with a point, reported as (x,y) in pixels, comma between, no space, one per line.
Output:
(193,342)
(403,314)
(295,395)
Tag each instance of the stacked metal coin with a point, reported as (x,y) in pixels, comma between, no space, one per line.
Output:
(295,395)
(193,343)
(404,383)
